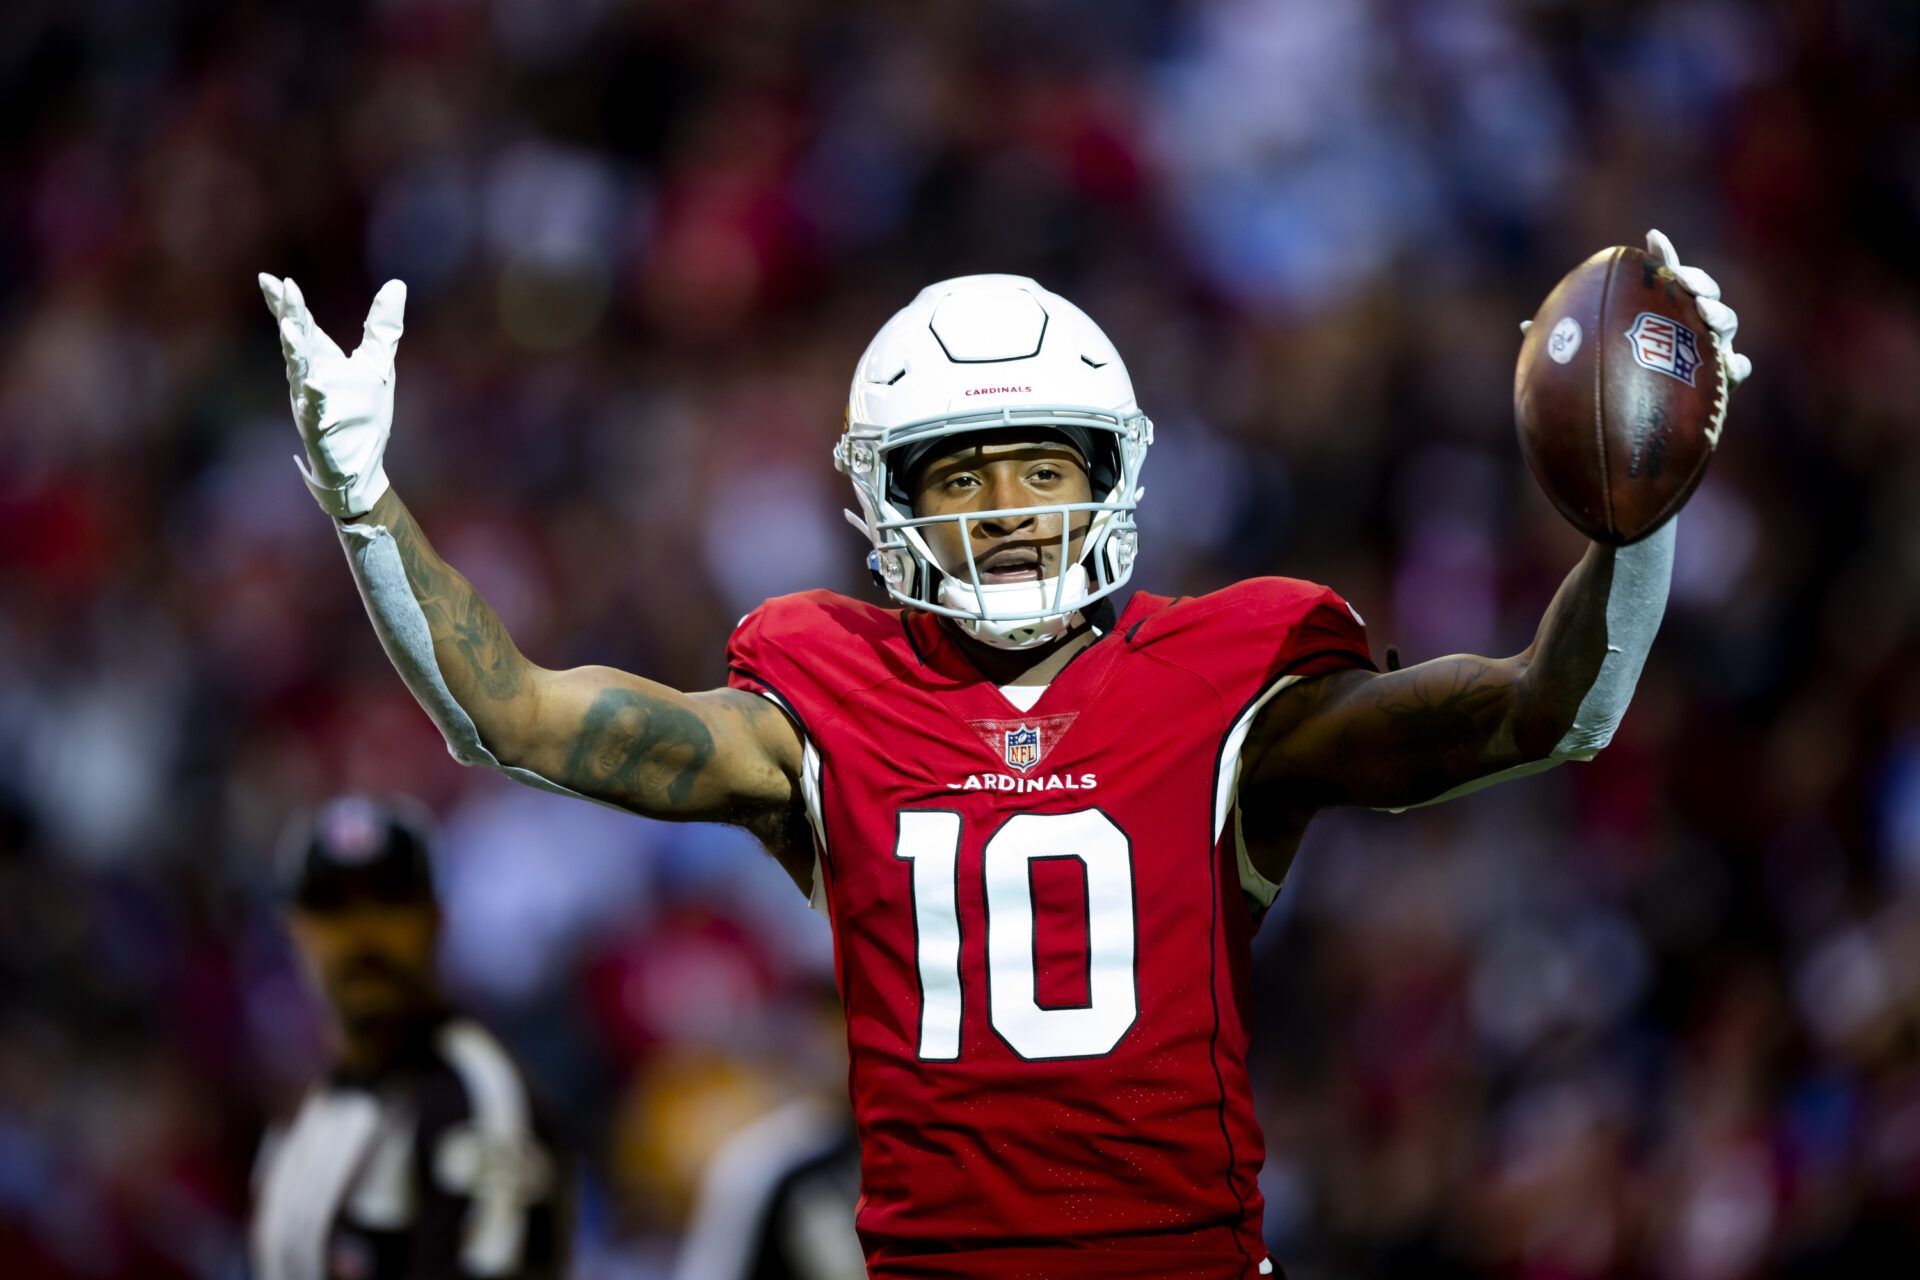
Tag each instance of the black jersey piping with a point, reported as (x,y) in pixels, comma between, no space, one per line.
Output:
(1213,1040)
(785,704)
(1213,971)
(1151,616)
(913,641)
(1213,926)
(826,852)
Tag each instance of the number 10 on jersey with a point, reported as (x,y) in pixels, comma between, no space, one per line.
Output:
(929,839)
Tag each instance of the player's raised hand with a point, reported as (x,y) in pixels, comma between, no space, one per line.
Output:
(1719,316)
(342,404)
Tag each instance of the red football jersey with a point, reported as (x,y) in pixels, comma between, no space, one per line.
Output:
(1041,924)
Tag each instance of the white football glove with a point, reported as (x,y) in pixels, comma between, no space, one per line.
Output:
(1706,296)
(343,405)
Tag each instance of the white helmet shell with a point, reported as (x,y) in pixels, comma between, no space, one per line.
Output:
(983,353)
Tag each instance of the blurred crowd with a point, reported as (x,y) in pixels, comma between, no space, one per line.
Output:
(1653,1016)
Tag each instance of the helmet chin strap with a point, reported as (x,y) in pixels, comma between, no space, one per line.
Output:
(1017,597)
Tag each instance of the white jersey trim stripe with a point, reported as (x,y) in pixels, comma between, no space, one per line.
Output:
(810,793)
(1226,794)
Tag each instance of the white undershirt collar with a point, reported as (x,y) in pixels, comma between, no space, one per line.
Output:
(1023,696)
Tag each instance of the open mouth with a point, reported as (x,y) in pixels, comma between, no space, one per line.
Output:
(1013,564)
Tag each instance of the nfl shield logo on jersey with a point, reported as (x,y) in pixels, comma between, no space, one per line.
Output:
(1023,747)
(1664,346)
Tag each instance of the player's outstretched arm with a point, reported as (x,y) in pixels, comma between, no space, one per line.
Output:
(1441,728)
(592,731)
(1455,724)
(597,731)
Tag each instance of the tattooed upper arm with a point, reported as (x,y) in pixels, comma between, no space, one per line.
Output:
(724,756)
(720,756)
(1389,739)
(640,747)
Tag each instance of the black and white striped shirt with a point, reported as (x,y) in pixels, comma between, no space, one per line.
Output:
(442,1165)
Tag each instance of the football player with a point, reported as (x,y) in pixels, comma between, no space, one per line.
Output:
(1044,821)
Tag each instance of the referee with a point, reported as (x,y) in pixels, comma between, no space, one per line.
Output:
(421,1152)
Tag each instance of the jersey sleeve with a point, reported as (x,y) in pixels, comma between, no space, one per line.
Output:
(770,654)
(1248,642)
(809,651)
(806,653)
(1244,639)
(746,650)
(1330,636)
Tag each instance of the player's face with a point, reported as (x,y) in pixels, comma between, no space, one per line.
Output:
(374,961)
(988,476)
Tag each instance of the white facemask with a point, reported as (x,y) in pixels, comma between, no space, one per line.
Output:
(993,353)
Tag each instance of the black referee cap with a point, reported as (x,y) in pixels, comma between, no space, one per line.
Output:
(358,848)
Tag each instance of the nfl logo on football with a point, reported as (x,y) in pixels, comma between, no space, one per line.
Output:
(1664,346)
(1023,747)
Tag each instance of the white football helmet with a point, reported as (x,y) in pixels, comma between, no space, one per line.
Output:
(984,353)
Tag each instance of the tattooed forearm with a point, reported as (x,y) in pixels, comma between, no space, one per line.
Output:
(645,751)
(462,623)
(490,656)
(722,756)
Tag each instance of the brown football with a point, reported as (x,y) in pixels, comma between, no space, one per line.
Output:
(1619,395)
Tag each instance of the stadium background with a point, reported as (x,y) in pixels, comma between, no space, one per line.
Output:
(1658,1015)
